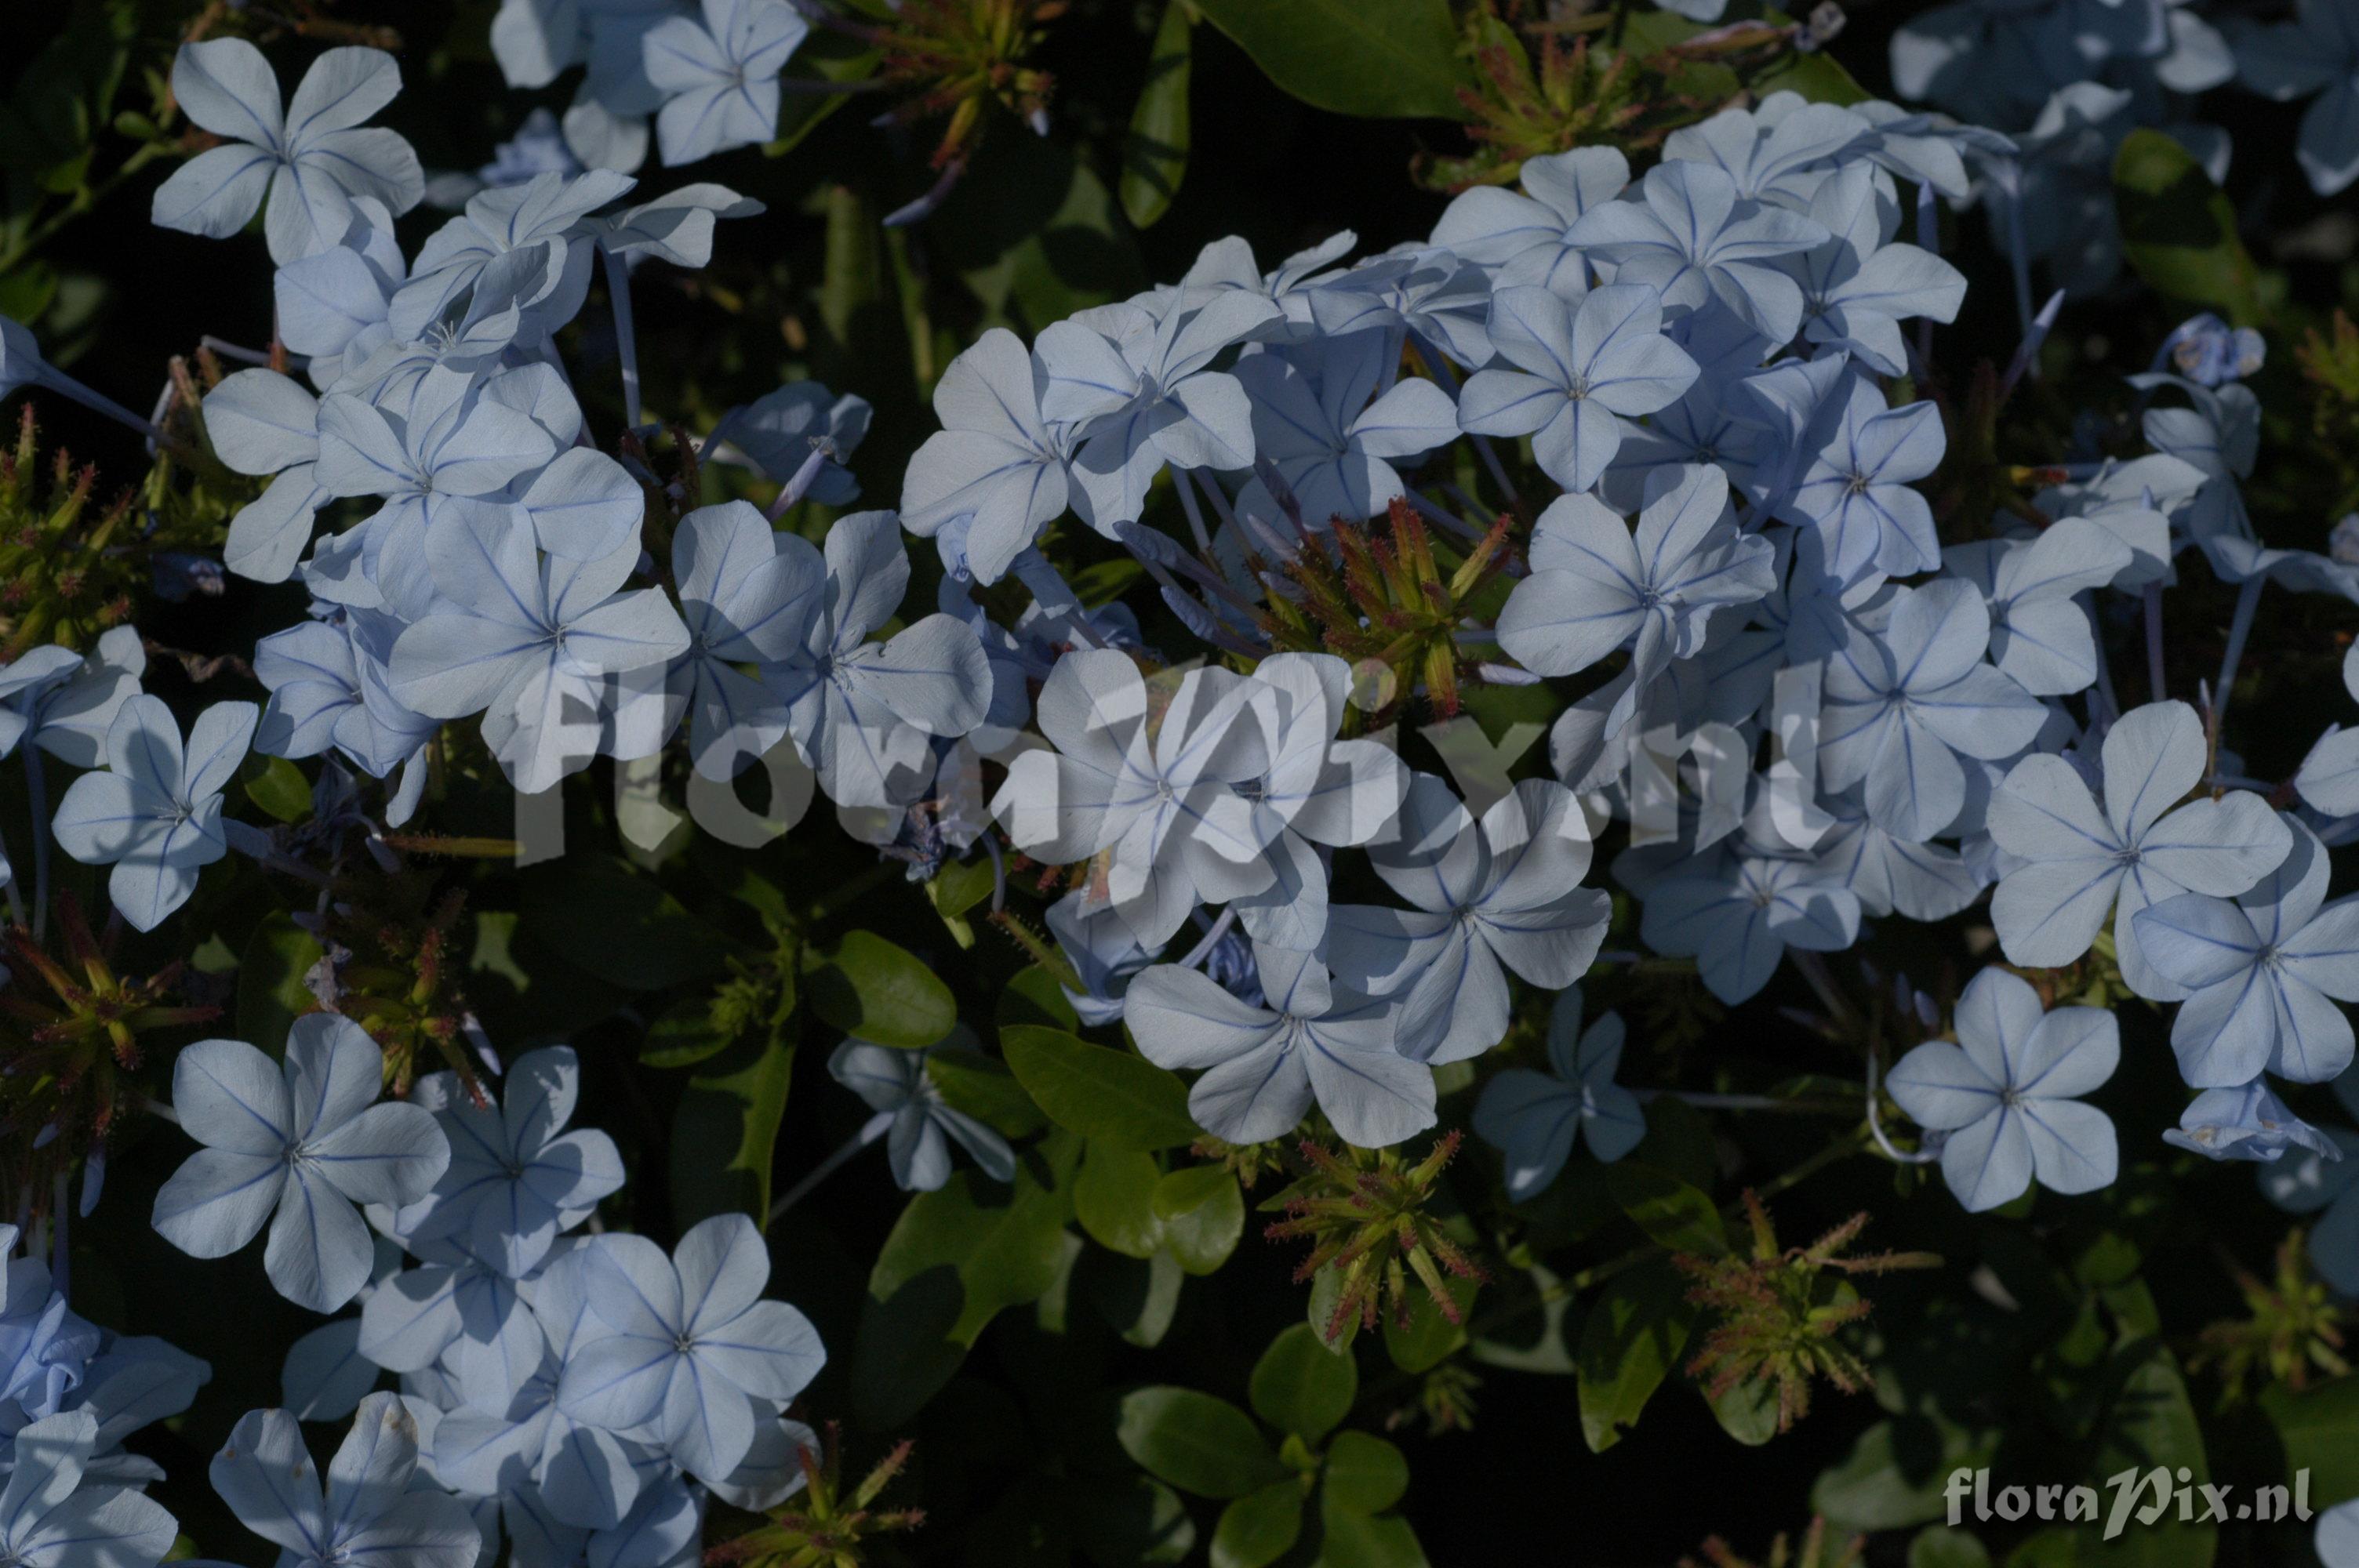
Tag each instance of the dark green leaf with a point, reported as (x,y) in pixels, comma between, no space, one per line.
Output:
(617,923)
(1300,1386)
(1005,1242)
(271,994)
(1198,1443)
(1114,1198)
(1429,1335)
(1385,58)
(1137,1298)
(733,1108)
(682,1036)
(1629,1344)
(2149,1423)
(1364,1475)
(1106,1096)
(875,990)
(2178,229)
(280,788)
(1668,1209)
(982,1086)
(1033,996)
(1203,1216)
(1368,1540)
(2319,1432)
(1894,1476)
(1258,1528)
(1154,153)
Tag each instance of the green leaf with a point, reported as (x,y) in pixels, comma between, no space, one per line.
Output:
(960,886)
(617,923)
(1259,1528)
(682,1036)
(2150,1422)
(877,992)
(1383,58)
(1137,1298)
(2319,1431)
(271,994)
(1004,1242)
(1155,153)
(280,789)
(1947,1546)
(1748,1412)
(982,1086)
(1120,1521)
(1368,1540)
(1668,1209)
(1364,1475)
(735,1106)
(1326,1292)
(1200,1444)
(1203,1216)
(1106,1096)
(2179,230)
(1300,1386)
(1628,1345)
(1033,996)
(1114,1200)
(1894,1476)
(1429,1335)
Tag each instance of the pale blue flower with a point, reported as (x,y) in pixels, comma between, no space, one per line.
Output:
(333,304)
(2317,53)
(1420,291)
(306,1137)
(549,214)
(917,1123)
(1904,705)
(2262,975)
(459,439)
(992,462)
(2248,1122)
(156,814)
(2211,354)
(1773,151)
(1318,419)
(1919,879)
(863,714)
(2040,635)
(2337,1543)
(2325,1182)
(370,1511)
(529,643)
(2007,1096)
(1858,285)
(1695,237)
(1139,393)
(1229,264)
(1533,1118)
(2077,862)
(688,1350)
(263,424)
(1263,1067)
(311,159)
(746,593)
(52,1516)
(1501,891)
(1736,914)
(585,1476)
(802,435)
(456,1314)
(1523,237)
(1863,459)
(720,79)
(1595,586)
(518,1180)
(1581,368)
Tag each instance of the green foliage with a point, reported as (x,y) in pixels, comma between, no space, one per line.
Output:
(876,991)
(2179,230)
(1356,57)
(1155,153)
(1106,1096)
